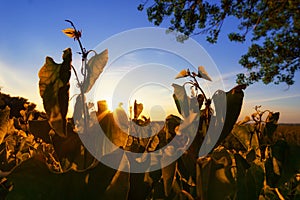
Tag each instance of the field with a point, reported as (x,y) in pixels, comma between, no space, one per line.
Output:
(290,132)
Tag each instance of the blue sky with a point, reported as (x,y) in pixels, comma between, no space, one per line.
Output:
(31,30)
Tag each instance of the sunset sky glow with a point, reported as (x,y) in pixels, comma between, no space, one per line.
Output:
(31,30)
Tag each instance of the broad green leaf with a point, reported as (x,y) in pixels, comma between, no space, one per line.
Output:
(54,89)
(94,68)
(4,122)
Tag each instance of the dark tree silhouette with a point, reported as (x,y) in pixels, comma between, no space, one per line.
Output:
(272,26)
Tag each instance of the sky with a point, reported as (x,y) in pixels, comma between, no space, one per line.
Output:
(31,30)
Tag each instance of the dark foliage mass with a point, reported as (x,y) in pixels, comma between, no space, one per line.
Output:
(57,168)
(272,26)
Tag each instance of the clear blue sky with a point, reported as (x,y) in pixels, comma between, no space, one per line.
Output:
(31,30)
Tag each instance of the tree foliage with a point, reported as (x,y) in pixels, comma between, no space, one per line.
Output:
(272,26)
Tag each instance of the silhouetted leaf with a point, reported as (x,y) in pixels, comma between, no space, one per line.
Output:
(68,147)
(251,156)
(168,174)
(139,189)
(40,129)
(119,185)
(234,101)
(250,178)
(54,89)
(94,68)
(271,125)
(181,100)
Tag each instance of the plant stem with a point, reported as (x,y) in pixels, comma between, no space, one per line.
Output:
(82,99)
(198,86)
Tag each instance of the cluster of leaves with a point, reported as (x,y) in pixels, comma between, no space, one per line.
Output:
(274,28)
(274,158)
(17,142)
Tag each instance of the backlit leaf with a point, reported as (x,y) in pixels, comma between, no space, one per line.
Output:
(54,89)
(250,178)
(183,73)
(4,120)
(202,73)
(138,109)
(94,68)
(70,32)
(121,118)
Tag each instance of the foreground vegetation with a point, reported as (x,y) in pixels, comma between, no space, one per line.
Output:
(38,165)
(43,157)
